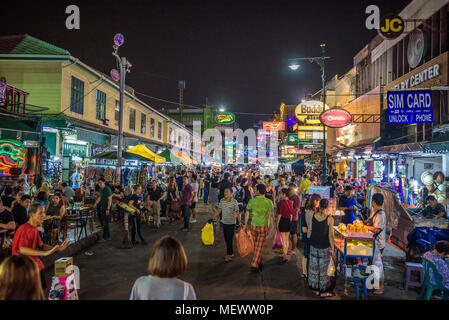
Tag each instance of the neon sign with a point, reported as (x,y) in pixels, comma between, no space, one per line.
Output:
(12,155)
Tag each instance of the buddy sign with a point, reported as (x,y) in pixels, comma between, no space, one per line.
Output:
(309,108)
(336,118)
(225,118)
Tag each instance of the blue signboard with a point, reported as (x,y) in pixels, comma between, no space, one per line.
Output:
(413,106)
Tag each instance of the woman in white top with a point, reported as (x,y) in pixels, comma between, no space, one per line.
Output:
(168,261)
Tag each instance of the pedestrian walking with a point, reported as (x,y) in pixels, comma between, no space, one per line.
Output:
(195,187)
(105,201)
(136,201)
(285,213)
(262,222)
(207,186)
(321,251)
(186,201)
(229,209)
(311,207)
(154,197)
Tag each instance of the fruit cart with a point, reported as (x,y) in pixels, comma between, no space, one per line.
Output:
(353,244)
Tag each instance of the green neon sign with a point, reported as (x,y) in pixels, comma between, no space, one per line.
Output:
(225,118)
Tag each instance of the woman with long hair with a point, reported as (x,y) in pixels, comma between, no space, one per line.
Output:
(321,251)
(312,205)
(20,279)
(172,197)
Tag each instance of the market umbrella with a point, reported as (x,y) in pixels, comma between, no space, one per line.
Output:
(143,151)
(112,155)
(177,157)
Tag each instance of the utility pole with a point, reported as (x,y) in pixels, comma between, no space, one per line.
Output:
(320,62)
(125,66)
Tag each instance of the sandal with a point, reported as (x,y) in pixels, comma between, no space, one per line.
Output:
(283,261)
(378,292)
(327,294)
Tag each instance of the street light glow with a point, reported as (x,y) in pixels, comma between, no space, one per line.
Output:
(294,67)
(221,109)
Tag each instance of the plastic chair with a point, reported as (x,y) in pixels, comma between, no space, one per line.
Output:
(428,288)
(409,268)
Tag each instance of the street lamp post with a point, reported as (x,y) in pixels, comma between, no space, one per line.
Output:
(320,62)
(125,66)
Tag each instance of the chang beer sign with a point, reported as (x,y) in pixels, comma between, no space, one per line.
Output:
(225,118)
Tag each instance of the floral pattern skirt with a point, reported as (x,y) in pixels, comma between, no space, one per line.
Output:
(317,272)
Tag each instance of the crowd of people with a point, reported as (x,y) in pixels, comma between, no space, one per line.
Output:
(235,198)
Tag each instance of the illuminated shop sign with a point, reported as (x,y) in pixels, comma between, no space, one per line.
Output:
(336,118)
(309,108)
(273,126)
(413,106)
(225,118)
(12,154)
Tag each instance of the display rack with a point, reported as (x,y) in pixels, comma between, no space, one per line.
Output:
(354,246)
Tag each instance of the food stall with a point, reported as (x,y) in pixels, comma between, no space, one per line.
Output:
(354,244)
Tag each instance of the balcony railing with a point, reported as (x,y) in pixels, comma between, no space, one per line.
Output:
(12,99)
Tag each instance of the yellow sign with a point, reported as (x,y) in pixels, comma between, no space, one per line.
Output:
(310,128)
(306,108)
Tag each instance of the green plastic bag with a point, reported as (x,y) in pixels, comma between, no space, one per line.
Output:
(207,234)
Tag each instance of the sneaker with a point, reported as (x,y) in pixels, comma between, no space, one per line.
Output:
(101,240)
(193,221)
(144,243)
(135,242)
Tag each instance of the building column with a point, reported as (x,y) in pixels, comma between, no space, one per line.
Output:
(445,164)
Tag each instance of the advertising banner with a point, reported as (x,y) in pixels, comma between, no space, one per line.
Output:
(410,106)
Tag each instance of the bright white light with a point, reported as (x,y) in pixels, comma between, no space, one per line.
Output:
(222,109)
(391,175)
(294,67)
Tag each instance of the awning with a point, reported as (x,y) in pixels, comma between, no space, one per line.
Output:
(143,151)
(112,155)
(402,148)
(15,125)
(442,147)
(178,157)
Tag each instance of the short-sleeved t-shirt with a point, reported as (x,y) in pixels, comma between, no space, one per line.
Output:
(186,195)
(137,201)
(380,221)
(152,288)
(104,194)
(27,236)
(20,214)
(7,201)
(76,176)
(260,208)
(6,217)
(155,194)
(304,185)
(195,188)
(296,205)
(228,209)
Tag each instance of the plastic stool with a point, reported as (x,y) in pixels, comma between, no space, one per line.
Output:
(412,266)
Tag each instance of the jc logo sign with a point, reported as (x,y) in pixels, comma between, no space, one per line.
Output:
(389,26)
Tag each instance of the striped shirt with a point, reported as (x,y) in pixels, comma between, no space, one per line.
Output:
(228,209)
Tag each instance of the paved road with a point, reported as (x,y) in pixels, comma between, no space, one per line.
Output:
(111,271)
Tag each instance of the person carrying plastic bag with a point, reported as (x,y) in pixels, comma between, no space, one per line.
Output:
(229,208)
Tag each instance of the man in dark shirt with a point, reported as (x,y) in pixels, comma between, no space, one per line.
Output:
(347,204)
(105,201)
(179,179)
(434,210)
(155,195)
(6,218)
(224,184)
(7,199)
(20,211)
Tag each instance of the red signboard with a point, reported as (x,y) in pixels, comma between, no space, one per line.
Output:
(273,126)
(336,118)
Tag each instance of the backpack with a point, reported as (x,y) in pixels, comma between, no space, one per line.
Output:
(240,195)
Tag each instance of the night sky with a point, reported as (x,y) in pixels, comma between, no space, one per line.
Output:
(233,52)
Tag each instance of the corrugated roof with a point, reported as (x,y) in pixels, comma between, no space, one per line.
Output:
(26,44)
